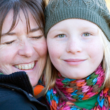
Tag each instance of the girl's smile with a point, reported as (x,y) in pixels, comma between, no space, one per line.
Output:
(74,61)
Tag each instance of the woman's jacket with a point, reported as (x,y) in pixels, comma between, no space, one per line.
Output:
(16,93)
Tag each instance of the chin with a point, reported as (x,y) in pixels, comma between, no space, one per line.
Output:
(33,82)
(77,76)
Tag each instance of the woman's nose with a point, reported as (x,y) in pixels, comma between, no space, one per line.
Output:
(26,49)
(73,46)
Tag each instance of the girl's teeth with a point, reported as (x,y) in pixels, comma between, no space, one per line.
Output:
(25,66)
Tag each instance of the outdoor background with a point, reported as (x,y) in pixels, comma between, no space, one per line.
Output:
(108,3)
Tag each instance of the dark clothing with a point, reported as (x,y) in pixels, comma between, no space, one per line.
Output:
(16,93)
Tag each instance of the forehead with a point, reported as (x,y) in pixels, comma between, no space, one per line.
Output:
(73,23)
(21,20)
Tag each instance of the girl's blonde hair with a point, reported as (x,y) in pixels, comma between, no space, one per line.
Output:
(51,72)
(106,58)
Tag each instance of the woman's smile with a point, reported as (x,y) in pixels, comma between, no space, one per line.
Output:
(26,66)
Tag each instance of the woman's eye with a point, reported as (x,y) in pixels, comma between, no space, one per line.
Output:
(61,35)
(37,37)
(86,34)
(10,42)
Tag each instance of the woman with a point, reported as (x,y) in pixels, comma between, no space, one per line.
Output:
(22,53)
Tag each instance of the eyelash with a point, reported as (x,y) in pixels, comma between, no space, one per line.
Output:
(10,42)
(86,33)
(61,35)
(37,37)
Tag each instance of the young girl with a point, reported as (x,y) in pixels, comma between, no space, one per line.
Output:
(78,36)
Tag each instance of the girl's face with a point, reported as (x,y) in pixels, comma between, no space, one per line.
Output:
(22,51)
(75,48)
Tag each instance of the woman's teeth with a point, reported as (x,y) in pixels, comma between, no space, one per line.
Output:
(25,66)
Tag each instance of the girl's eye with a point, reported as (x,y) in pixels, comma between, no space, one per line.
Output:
(86,34)
(10,42)
(61,35)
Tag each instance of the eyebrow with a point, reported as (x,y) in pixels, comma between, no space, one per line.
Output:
(36,29)
(31,30)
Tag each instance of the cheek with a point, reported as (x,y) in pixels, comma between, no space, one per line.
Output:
(6,54)
(54,51)
(53,54)
(41,48)
(96,52)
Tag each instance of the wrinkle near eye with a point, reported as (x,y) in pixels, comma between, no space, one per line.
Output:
(7,38)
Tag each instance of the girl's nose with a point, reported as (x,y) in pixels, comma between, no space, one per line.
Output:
(73,46)
(26,49)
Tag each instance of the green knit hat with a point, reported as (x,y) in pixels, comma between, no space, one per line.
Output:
(92,10)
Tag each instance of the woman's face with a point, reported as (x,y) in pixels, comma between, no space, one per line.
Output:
(22,51)
(75,48)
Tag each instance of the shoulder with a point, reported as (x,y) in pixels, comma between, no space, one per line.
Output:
(13,100)
(17,100)
(16,93)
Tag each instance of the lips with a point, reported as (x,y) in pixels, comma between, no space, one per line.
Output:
(25,66)
(74,61)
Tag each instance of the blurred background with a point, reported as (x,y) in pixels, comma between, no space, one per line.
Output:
(107,1)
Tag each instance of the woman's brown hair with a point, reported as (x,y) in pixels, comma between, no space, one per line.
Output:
(36,7)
